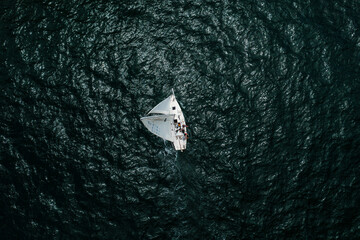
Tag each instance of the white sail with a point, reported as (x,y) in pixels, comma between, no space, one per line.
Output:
(163,107)
(160,125)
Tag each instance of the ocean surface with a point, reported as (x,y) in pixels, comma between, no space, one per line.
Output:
(270,91)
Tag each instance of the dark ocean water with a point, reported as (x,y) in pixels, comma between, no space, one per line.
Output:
(270,91)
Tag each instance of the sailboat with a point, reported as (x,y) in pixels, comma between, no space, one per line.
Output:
(166,120)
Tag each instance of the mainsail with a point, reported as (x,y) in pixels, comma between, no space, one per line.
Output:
(160,125)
